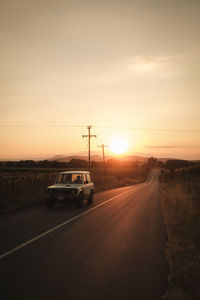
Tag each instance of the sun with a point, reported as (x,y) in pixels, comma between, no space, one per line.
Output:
(118,145)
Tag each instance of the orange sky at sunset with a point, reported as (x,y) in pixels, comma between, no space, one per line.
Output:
(129,68)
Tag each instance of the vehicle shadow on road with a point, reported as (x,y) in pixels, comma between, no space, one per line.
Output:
(71,207)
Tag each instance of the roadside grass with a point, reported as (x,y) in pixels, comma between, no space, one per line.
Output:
(180,200)
(110,181)
(21,188)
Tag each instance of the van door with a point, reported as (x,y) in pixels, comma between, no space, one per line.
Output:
(86,186)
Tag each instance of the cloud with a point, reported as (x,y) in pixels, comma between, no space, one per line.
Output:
(161,147)
(148,63)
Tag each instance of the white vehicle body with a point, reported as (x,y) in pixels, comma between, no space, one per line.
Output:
(71,186)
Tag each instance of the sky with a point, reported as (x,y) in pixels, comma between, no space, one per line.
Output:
(129,68)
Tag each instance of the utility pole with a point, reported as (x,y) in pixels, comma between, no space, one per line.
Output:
(89,136)
(103,152)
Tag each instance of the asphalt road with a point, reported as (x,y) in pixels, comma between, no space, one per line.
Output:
(113,249)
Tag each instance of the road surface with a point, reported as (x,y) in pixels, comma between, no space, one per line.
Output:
(114,249)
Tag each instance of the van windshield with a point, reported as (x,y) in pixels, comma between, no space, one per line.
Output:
(69,178)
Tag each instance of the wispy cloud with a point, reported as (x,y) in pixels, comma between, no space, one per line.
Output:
(160,147)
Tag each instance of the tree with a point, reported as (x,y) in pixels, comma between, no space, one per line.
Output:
(152,161)
(173,164)
(78,163)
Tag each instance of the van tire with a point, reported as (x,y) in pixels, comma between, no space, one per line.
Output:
(90,198)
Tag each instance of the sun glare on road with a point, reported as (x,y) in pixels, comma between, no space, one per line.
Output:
(118,145)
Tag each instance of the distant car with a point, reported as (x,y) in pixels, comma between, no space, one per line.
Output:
(71,186)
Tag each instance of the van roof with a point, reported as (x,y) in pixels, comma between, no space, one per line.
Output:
(74,172)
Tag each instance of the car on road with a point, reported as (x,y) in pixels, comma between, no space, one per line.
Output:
(71,186)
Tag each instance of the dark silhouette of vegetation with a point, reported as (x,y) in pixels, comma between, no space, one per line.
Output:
(33,164)
(176,164)
(160,164)
(73,163)
(171,166)
(79,163)
(152,162)
(180,197)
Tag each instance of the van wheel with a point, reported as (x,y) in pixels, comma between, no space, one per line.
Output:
(80,200)
(90,198)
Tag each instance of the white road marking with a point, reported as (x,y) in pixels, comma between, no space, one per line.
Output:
(59,226)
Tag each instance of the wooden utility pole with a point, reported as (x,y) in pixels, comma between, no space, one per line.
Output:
(89,136)
(103,152)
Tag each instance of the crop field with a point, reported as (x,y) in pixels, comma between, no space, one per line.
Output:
(180,198)
(23,187)
(20,188)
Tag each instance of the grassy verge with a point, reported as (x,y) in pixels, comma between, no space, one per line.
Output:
(106,182)
(21,188)
(180,200)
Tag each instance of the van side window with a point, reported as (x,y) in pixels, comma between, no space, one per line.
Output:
(88,178)
(85,178)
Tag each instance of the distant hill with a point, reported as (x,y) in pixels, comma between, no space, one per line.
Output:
(97,157)
(64,158)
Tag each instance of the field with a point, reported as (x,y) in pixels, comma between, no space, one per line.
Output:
(23,187)
(180,196)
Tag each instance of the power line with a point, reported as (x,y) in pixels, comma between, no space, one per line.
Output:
(149,129)
(102,127)
(42,125)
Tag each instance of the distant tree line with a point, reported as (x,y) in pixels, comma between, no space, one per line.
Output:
(43,164)
(73,163)
(151,162)
(170,164)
